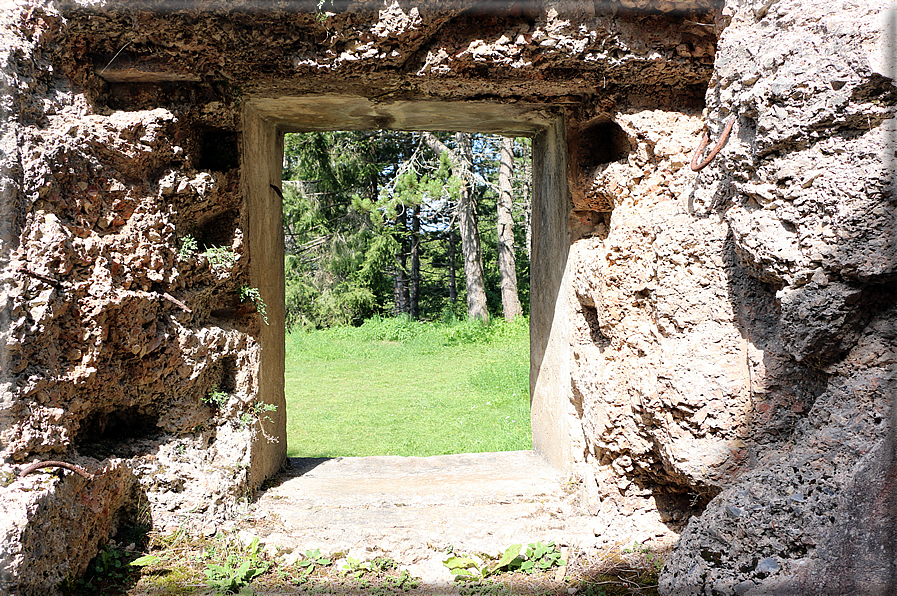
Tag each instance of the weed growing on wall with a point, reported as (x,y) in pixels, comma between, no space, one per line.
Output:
(188,248)
(253,294)
(221,258)
(216,398)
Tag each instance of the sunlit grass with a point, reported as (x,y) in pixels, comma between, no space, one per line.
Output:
(398,387)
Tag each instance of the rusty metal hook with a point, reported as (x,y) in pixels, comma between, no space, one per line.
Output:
(695,165)
(56,464)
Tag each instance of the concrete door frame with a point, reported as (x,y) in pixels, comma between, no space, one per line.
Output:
(264,123)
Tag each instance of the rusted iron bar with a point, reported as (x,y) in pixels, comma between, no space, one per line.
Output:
(56,464)
(48,280)
(697,166)
(176,302)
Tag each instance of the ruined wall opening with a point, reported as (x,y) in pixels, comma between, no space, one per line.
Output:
(266,121)
(603,142)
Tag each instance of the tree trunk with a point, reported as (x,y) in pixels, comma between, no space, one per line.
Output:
(510,302)
(400,279)
(414,281)
(470,240)
(462,168)
(453,286)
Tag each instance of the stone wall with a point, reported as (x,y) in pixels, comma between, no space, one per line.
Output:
(717,343)
(805,188)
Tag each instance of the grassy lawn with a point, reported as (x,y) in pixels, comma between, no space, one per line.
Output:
(399,387)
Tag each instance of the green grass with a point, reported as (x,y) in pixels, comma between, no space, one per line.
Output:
(399,387)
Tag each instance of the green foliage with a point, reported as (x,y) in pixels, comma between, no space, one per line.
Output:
(108,572)
(147,560)
(188,248)
(350,199)
(311,560)
(467,568)
(356,567)
(233,575)
(637,547)
(403,582)
(221,258)
(216,398)
(253,294)
(653,560)
(337,256)
(538,558)
(541,557)
(109,562)
(464,567)
(255,414)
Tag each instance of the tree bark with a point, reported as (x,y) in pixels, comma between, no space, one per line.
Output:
(507,270)
(400,279)
(462,168)
(414,281)
(453,286)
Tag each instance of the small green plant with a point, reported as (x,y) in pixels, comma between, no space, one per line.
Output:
(356,567)
(653,560)
(383,564)
(541,557)
(147,560)
(321,16)
(254,414)
(538,557)
(188,248)
(234,575)
(216,398)
(107,572)
(312,559)
(253,294)
(221,258)
(467,568)
(637,547)
(404,582)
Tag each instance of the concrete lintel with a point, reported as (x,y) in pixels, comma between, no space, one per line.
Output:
(340,112)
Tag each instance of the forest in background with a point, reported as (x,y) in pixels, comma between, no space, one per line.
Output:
(430,226)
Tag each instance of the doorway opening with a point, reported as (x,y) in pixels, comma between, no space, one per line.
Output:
(404,294)
(266,121)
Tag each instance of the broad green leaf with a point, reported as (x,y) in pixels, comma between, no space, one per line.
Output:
(459,563)
(507,558)
(460,571)
(510,554)
(145,560)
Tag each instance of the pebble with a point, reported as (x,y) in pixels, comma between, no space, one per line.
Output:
(733,511)
(768,565)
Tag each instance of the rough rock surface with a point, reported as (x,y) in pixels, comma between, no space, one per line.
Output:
(805,187)
(51,526)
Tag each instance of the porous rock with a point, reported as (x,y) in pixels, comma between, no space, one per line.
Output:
(805,188)
(51,526)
